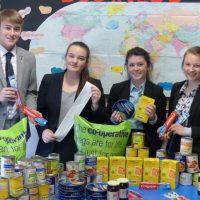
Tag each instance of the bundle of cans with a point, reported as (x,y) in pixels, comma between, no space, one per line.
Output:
(29,179)
(188,165)
(79,173)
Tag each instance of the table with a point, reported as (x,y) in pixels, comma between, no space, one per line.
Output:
(188,191)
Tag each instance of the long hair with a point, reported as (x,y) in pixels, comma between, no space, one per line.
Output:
(138,51)
(12,16)
(84,76)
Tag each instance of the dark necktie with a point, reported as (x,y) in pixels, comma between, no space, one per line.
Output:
(9,67)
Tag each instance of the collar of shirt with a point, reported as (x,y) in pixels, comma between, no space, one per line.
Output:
(133,88)
(183,90)
(3,51)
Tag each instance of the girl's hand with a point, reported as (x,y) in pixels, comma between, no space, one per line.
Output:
(96,95)
(48,136)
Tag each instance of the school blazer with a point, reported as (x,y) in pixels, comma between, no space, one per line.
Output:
(193,120)
(26,81)
(49,104)
(122,91)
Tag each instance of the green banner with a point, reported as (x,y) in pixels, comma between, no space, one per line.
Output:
(101,139)
(13,140)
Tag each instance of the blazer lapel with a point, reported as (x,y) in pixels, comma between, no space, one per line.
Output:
(126,90)
(195,104)
(147,89)
(2,77)
(20,61)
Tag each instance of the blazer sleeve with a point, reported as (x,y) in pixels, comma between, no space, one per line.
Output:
(41,101)
(31,92)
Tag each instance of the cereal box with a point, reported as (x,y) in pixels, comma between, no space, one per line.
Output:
(169,172)
(151,170)
(116,167)
(102,167)
(134,169)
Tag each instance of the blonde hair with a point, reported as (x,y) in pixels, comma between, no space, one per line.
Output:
(12,16)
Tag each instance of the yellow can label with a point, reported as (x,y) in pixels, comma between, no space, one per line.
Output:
(16,186)
(3,188)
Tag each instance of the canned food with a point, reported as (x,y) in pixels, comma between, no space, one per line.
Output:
(51,179)
(181,164)
(131,152)
(143,152)
(24,196)
(80,158)
(97,190)
(32,189)
(192,163)
(55,156)
(72,170)
(195,177)
(186,146)
(91,165)
(3,188)
(23,163)
(16,187)
(138,140)
(30,177)
(7,166)
(161,154)
(185,178)
(34,197)
(40,169)
(52,165)
(44,189)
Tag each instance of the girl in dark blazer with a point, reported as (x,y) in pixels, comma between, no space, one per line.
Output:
(56,95)
(137,65)
(185,98)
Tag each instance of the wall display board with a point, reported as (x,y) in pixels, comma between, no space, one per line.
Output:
(164,28)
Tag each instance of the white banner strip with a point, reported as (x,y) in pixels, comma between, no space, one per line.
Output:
(76,108)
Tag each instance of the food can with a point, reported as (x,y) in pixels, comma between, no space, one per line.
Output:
(43,189)
(96,191)
(36,157)
(131,152)
(40,169)
(186,146)
(161,154)
(80,157)
(185,178)
(72,170)
(3,188)
(16,187)
(138,140)
(32,189)
(51,179)
(23,163)
(52,166)
(34,197)
(7,166)
(192,163)
(24,196)
(91,165)
(30,177)
(71,190)
(182,161)
(143,152)
(55,156)
(195,177)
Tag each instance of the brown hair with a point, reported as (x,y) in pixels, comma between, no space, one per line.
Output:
(138,51)
(193,50)
(11,15)
(85,73)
